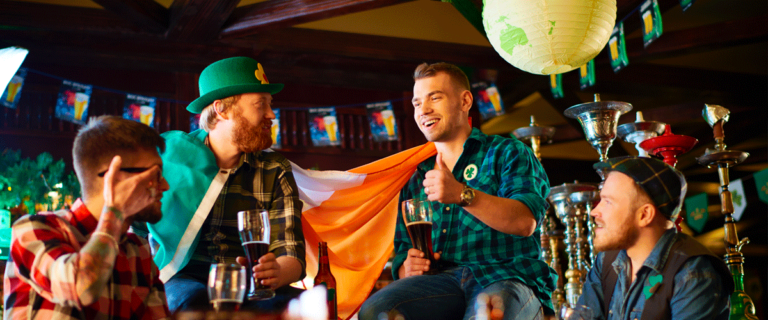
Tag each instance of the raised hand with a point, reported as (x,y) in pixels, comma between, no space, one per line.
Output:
(440,185)
(129,193)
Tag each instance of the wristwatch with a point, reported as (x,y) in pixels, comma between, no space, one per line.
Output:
(467,196)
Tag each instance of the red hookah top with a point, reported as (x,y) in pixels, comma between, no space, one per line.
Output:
(669,145)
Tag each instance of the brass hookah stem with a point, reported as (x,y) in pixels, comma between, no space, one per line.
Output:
(742,306)
(558,296)
(573,274)
(591,234)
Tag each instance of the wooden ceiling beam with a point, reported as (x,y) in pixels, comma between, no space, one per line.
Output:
(699,39)
(679,77)
(21,15)
(276,14)
(146,14)
(344,44)
(199,20)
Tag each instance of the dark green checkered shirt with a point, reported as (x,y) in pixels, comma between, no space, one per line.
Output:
(505,168)
(260,180)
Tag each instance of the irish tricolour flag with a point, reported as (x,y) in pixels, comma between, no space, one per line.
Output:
(355,211)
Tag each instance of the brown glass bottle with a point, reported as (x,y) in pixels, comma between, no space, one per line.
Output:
(326,278)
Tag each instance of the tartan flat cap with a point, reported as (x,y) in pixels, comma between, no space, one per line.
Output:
(664,184)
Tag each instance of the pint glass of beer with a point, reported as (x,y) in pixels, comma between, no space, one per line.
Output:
(255,230)
(226,286)
(418,220)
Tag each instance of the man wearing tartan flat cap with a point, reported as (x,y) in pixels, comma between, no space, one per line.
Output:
(645,268)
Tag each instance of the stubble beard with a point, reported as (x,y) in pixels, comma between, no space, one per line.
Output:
(250,138)
(620,238)
(150,214)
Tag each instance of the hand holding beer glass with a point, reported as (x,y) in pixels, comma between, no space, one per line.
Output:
(255,231)
(226,286)
(418,220)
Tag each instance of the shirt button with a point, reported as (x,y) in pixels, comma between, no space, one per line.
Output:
(447,208)
(444,231)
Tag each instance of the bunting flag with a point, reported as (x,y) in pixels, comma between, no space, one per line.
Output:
(685,4)
(587,75)
(12,58)
(488,100)
(323,127)
(276,136)
(194,122)
(382,120)
(10,97)
(140,108)
(651,15)
(761,182)
(355,211)
(739,198)
(72,103)
(696,211)
(556,84)
(618,48)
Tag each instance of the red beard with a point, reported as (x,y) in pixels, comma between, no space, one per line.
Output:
(250,138)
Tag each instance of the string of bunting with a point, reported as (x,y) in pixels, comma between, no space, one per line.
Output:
(652,30)
(74,97)
(696,212)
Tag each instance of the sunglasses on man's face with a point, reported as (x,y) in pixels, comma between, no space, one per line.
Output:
(129,170)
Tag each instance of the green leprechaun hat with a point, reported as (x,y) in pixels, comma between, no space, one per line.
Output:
(229,77)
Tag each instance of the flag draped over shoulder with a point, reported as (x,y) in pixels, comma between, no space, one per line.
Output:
(355,211)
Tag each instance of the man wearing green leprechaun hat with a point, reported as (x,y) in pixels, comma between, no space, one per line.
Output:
(217,171)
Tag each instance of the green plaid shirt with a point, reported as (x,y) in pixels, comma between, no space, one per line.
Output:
(506,168)
(260,180)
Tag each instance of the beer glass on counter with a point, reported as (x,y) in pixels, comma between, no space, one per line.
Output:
(255,230)
(418,219)
(226,286)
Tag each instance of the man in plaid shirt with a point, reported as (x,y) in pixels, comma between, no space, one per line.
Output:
(81,263)
(487,196)
(216,172)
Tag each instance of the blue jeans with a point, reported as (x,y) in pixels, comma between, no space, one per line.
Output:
(185,292)
(450,294)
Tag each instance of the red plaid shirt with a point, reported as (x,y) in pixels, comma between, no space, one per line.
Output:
(40,274)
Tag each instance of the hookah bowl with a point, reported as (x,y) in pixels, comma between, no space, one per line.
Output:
(669,146)
(599,119)
(639,131)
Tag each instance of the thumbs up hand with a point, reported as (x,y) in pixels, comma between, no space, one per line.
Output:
(440,185)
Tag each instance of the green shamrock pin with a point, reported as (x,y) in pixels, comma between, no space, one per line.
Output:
(654,282)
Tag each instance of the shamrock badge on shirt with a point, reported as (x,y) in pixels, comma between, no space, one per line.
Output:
(470,172)
(654,282)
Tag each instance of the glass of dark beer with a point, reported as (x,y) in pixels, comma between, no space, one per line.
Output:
(418,220)
(226,286)
(254,229)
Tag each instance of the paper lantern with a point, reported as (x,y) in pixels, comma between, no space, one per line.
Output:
(548,36)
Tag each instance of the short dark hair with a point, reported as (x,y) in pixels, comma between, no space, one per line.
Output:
(104,137)
(426,70)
